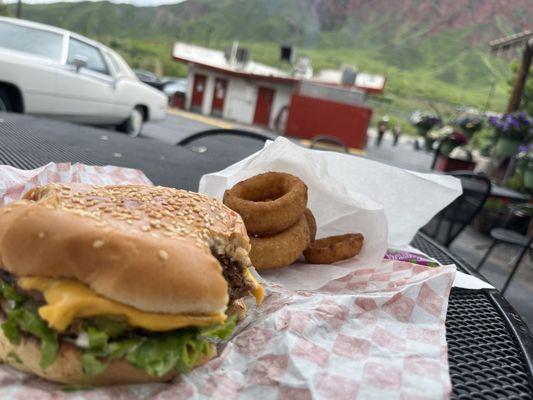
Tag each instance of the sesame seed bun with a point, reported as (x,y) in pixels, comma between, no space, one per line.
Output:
(147,247)
(67,368)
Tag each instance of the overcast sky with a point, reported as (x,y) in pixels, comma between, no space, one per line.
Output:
(134,2)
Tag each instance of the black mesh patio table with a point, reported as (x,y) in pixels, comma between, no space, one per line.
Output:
(490,348)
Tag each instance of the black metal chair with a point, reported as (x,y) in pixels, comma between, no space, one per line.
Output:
(263,136)
(513,233)
(450,222)
(328,140)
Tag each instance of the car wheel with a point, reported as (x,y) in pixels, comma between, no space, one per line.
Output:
(5,104)
(134,124)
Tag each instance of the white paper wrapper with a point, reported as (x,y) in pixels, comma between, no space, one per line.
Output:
(347,194)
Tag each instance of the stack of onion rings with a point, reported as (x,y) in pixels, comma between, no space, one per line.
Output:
(273,208)
(334,248)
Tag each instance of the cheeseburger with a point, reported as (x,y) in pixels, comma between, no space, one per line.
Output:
(118,284)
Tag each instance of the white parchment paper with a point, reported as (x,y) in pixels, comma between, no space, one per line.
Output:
(347,194)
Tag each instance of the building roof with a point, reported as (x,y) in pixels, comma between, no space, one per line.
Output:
(216,60)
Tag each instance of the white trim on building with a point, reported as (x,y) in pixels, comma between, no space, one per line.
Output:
(241,95)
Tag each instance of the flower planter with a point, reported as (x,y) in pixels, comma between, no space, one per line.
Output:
(447,164)
(528,178)
(506,147)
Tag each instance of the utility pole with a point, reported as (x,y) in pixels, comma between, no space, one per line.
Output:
(509,43)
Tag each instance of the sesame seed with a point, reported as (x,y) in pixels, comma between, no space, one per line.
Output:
(98,244)
(40,235)
(163,255)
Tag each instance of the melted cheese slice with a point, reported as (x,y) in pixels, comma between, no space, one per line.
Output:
(68,299)
(257,291)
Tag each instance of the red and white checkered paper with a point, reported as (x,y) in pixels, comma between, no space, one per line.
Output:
(376,333)
(15,182)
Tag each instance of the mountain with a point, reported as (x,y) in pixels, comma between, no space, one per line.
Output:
(433,49)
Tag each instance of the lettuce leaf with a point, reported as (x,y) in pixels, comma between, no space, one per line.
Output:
(158,353)
(11,331)
(110,338)
(119,349)
(9,293)
(24,317)
(164,352)
(221,331)
(28,320)
(111,325)
(97,339)
(91,365)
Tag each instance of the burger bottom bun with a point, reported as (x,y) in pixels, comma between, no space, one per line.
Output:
(67,368)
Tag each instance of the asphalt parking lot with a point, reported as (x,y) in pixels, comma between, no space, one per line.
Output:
(179,124)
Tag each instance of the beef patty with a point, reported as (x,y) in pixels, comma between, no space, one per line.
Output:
(238,286)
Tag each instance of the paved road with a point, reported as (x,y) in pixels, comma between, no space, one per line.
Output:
(181,124)
(403,155)
(174,128)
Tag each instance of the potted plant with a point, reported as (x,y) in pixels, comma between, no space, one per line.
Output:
(511,130)
(459,159)
(424,121)
(448,137)
(469,124)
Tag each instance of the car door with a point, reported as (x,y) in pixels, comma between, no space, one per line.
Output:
(86,94)
(29,59)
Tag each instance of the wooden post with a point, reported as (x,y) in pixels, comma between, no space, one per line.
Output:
(516,96)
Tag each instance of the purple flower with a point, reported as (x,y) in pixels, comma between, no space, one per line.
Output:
(513,126)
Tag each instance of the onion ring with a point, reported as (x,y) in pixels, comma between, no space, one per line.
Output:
(311,221)
(282,249)
(268,203)
(334,248)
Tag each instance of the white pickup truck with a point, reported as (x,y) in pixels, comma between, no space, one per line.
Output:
(56,73)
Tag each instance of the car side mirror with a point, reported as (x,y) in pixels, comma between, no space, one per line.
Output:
(80,62)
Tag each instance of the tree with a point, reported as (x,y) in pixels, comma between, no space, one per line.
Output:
(3,9)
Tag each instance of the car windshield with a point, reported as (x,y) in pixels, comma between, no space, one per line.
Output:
(30,40)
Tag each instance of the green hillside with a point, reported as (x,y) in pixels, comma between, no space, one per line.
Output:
(430,50)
